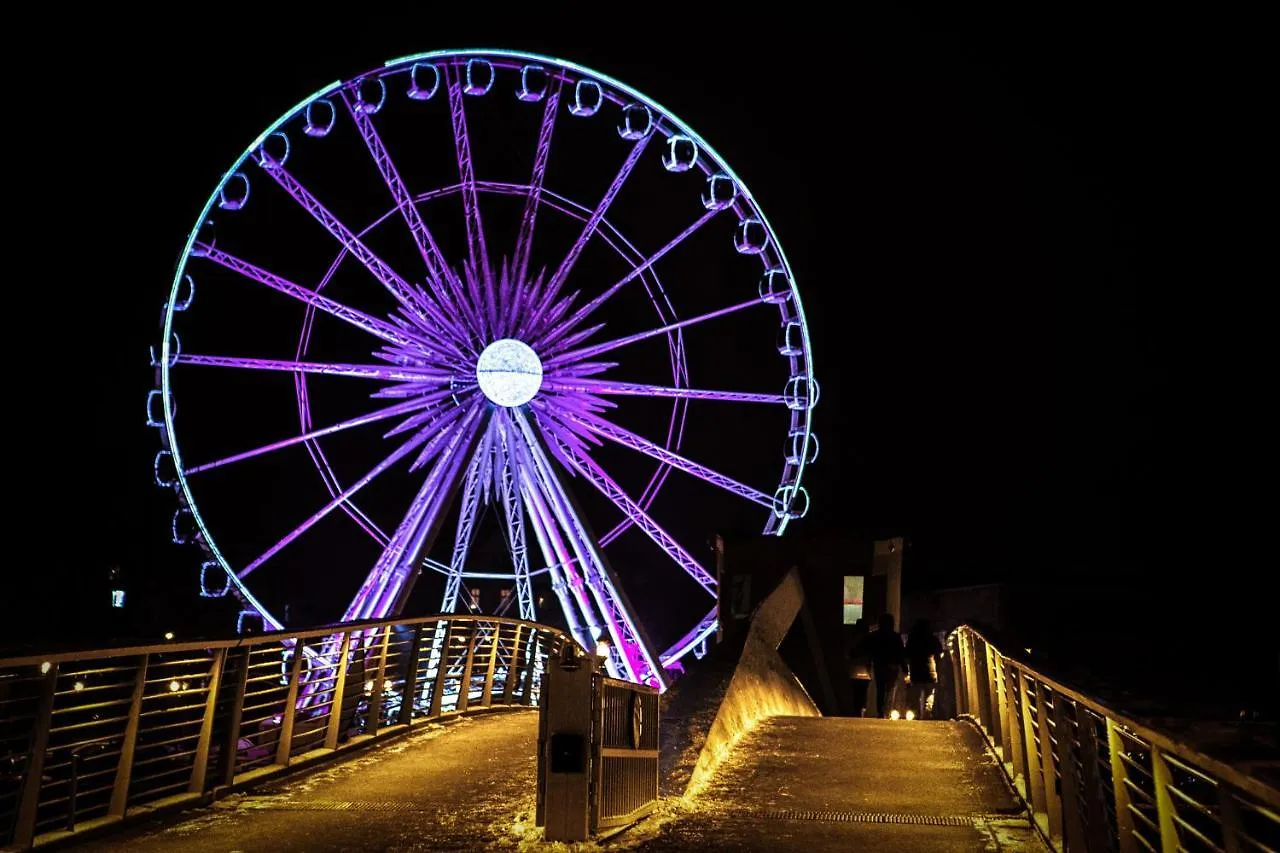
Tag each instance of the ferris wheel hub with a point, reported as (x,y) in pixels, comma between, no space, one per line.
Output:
(509,372)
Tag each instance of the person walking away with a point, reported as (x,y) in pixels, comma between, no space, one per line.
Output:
(887,658)
(922,650)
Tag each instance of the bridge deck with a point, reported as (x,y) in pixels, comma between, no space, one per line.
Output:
(456,787)
(806,784)
(835,784)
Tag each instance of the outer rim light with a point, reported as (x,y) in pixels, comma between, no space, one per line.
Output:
(166,422)
(509,372)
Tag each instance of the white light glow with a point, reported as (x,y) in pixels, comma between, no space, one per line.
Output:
(894,715)
(509,372)
(45,666)
(602,649)
(911,715)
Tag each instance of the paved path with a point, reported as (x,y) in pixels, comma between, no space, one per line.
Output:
(456,787)
(793,784)
(836,784)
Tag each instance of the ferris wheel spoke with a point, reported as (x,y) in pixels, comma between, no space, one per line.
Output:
(359,319)
(432,258)
(606,346)
(476,251)
(551,335)
(589,228)
(345,495)
(592,472)
(610,388)
(378,415)
(471,498)
(391,578)
(631,647)
(411,298)
(613,432)
(380,372)
(524,240)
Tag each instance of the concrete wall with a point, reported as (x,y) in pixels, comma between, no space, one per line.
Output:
(762,685)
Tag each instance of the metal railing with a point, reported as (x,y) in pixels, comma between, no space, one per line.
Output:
(1097,780)
(87,736)
(624,753)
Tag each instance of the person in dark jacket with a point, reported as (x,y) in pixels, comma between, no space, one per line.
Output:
(923,650)
(887,658)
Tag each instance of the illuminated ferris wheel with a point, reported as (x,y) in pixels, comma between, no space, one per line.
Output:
(419,275)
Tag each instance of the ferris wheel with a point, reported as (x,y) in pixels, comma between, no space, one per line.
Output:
(406,278)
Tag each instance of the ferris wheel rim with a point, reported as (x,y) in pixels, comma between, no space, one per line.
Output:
(166,387)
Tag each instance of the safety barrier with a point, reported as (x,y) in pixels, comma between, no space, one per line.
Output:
(1097,780)
(625,749)
(88,737)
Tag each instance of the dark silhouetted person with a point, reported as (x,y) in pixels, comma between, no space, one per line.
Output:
(923,649)
(887,658)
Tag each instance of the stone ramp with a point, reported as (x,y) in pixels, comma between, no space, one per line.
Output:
(454,787)
(836,784)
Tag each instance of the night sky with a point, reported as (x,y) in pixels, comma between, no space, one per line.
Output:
(996,227)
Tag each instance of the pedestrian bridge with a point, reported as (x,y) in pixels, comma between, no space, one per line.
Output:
(421,735)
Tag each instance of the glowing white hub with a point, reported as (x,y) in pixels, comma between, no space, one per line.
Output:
(509,372)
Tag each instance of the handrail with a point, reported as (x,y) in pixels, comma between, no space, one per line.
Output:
(196,719)
(1073,759)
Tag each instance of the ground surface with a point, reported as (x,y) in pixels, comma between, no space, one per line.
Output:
(835,784)
(468,785)
(454,787)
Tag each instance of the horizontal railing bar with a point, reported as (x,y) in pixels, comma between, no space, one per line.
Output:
(269,638)
(93,706)
(153,712)
(1133,787)
(86,724)
(1204,839)
(1145,843)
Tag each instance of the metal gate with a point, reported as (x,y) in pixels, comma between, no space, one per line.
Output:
(624,752)
(597,749)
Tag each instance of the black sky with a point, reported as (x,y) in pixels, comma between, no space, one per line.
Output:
(997,226)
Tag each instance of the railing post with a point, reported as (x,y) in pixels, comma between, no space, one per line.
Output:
(442,670)
(486,699)
(1119,773)
(375,698)
(1229,814)
(200,764)
(1016,737)
(982,683)
(464,689)
(1034,777)
(124,764)
(25,828)
(956,644)
(231,744)
(1095,804)
(1052,803)
(1003,703)
(1165,809)
(285,746)
(971,677)
(531,666)
(411,678)
(1073,829)
(996,712)
(513,668)
(334,723)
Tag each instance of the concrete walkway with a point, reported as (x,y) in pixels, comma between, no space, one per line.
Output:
(837,784)
(817,785)
(452,787)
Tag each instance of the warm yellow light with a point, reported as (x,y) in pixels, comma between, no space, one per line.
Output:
(894,715)
(45,666)
(368,686)
(78,686)
(911,715)
(175,686)
(602,649)
(168,635)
